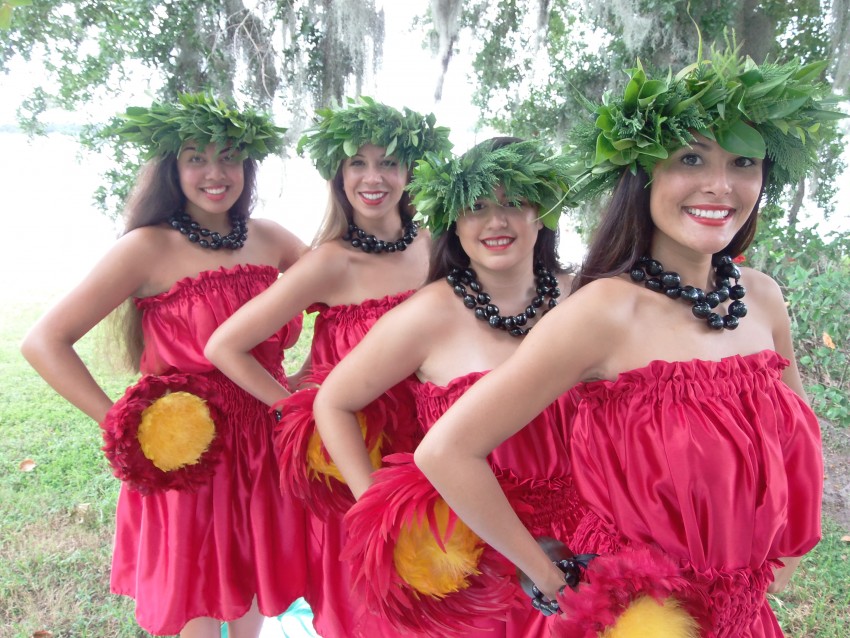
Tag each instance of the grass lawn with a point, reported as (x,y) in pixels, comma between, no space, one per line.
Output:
(56,520)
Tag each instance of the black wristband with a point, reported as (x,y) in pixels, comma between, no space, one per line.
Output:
(572,567)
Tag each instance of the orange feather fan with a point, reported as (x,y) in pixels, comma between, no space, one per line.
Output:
(306,469)
(163,433)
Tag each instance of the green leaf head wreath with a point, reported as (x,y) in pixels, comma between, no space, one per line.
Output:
(202,118)
(340,131)
(527,171)
(770,110)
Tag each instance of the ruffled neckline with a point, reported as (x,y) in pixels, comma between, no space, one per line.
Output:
(208,276)
(701,372)
(458,383)
(366,304)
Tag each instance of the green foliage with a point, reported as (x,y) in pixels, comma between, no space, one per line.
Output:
(814,274)
(201,118)
(580,49)
(527,171)
(530,69)
(295,54)
(6,9)
(340,131)
(770,110)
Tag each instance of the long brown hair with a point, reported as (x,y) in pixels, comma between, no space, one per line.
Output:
(155,197)
(624,233)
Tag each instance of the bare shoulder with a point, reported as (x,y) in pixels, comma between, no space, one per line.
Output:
(138,250)
(330,258)
(428,311)
(604,295)
(764,292)
(761,284)
(146,238)
(437,301)
(588,326)
(283,242)
(324,269)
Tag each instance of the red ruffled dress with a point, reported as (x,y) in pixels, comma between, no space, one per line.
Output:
(209,552)
(336,330)
(716,463)
(534,470)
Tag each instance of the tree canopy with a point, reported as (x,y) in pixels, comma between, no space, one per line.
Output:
(532,58)
(297,53)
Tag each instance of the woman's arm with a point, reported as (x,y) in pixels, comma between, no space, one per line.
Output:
(49,345)
(229,347)
(392,350)
(791,376)
(562,349)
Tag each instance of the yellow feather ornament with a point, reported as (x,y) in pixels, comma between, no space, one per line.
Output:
(175,430)
(319,464)
(647,618)
(430,570)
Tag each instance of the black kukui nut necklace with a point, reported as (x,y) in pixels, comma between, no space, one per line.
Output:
(359,238)
(206,238)
(652,273)
(479,301)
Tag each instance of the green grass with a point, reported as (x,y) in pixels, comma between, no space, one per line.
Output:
(817,603)
(56,521)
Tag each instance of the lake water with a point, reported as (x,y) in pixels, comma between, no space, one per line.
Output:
(55,233)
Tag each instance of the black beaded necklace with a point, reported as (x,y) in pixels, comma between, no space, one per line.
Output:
(670,284)
(547,288)
(206,238)
(359,238)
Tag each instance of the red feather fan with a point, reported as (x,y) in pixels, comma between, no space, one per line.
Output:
(476,580)
(295,437)
(614,583)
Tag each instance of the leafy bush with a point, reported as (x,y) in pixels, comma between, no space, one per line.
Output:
(813,270)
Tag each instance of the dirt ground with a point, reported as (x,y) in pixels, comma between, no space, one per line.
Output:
(836,489)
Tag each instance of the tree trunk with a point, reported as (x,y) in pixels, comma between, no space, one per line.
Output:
(755,31)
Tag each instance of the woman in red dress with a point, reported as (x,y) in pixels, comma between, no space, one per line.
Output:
(198,539)
(368,256)
(692,443)
(494,273)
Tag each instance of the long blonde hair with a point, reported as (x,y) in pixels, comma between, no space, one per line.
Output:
(339,212)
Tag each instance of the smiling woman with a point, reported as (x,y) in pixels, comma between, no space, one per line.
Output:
(177,287)
(664,394)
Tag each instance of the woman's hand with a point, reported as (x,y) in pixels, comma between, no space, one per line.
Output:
(782,575)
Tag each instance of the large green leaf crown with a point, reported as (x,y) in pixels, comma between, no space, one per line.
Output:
(340,131)
(770,110)
(443,189)
(201,118)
